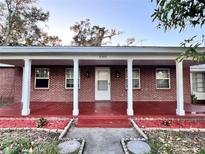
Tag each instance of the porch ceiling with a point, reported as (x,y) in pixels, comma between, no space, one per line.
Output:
(20,63)
(102,62)
(52,62)
(154,62)
(89,62)
(124,62)
(37,62)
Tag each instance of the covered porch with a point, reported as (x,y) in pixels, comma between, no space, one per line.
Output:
(119,99)
(130,105)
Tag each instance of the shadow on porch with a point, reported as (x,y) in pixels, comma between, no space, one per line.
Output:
(62,109)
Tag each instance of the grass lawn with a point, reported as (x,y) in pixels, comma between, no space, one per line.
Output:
(172,142)
(28,142)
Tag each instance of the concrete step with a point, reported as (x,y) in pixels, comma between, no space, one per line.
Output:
(113,117)
(103,123)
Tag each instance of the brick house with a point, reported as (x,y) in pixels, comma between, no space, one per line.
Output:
(96,74)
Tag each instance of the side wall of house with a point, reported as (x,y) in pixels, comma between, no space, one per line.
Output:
(58,93)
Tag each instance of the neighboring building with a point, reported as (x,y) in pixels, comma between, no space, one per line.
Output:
(92,74)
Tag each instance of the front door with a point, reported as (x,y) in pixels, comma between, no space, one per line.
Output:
(102,83)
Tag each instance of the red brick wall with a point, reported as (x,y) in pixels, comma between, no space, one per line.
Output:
(187,88)
(7,82)
(58,93)
(18,84)
(148,91)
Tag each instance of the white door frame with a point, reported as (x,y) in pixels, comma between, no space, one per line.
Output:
(103,95)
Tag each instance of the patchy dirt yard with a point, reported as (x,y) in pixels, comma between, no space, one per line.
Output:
(27,141)
(172,142)
(42,142)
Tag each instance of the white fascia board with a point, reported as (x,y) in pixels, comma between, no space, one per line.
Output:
(6,65)
(97,53)
(89,57)
(197,68)
(91,50)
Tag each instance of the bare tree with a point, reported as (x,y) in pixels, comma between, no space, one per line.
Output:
(88,35)
(19,24)
(130,41)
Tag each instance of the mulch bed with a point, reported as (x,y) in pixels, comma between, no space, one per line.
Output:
(170,124)
(60,124)
(51,124)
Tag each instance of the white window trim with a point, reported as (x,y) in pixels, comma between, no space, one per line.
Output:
(168,69)
(135,68)
(42,78)
(73,79)
(191,78)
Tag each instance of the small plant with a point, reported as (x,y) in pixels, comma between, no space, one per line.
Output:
(41,122)
(159,147)
(167,123)
(46,148)
(193,99)
(201,151)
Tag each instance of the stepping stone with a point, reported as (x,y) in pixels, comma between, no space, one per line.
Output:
(138,147)
(68,147)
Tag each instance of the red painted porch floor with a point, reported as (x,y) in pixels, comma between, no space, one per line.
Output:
(112,114)
(99,109)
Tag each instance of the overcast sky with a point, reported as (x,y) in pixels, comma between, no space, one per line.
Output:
(132,17)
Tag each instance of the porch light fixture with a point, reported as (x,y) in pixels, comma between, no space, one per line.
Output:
(117,74)
(87,74)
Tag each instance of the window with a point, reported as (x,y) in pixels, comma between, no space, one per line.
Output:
(198,82)
(41,78)
(135,78)
(163,78)
(69,78)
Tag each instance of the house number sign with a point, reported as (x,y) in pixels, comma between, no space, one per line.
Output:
(103,57)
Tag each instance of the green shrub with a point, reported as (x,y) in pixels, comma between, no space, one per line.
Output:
(166,122)
(193,99)
(42,122)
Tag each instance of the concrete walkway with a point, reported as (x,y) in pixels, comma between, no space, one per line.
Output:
(102,140)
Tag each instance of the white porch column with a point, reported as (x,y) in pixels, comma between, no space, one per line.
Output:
(129,88)
(180,90)
(23,69)
(26,87)
(75,88)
